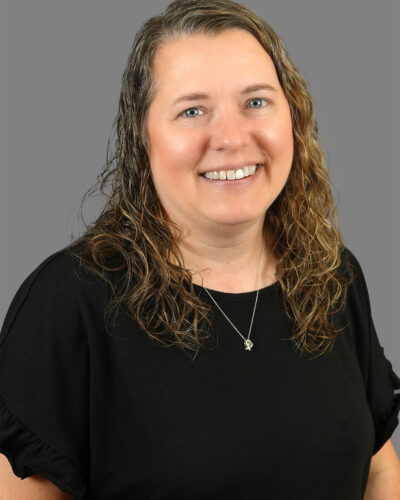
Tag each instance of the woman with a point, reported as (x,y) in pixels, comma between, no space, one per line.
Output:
(209,336)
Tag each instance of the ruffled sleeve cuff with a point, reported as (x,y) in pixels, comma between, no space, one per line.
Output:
(28,455)
(388,422)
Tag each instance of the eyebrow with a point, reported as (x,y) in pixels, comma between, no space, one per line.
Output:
(201,95)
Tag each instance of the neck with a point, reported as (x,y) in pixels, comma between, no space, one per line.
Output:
(230,264)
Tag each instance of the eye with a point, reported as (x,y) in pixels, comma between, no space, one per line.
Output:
(191,112)
(255,99)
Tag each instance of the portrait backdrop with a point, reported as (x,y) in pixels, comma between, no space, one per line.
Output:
(61,65)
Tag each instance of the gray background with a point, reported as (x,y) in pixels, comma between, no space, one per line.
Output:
(60,72)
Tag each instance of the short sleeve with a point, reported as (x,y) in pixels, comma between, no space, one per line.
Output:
(44,379)
(381,382)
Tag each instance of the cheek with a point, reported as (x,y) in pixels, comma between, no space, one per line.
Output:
(175,150)
(277,139)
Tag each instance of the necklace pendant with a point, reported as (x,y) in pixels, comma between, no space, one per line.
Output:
(248,344)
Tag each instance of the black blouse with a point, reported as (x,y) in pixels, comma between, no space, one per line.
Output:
(106,413)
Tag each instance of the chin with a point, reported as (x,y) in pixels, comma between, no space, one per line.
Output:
(229,219)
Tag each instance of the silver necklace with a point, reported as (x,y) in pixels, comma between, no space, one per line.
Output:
(248,344)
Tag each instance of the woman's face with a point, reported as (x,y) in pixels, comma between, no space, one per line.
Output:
(228,127)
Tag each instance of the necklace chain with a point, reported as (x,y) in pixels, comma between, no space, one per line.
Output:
(247,342)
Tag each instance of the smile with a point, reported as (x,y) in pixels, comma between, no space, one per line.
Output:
(231,175)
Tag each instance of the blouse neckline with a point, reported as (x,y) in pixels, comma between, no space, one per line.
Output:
(267,291)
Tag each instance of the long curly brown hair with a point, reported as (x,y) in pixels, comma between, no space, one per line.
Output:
(132,238)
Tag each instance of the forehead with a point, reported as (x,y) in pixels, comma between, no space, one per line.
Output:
(232,53)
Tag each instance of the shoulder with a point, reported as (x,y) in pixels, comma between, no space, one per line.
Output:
(59,289)
(355,316)
(351,267)
(61,272)
(349,261)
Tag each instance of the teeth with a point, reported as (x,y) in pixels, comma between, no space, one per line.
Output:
(231,174)
(239,173)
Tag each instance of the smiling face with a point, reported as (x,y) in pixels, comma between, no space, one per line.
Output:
(231,127)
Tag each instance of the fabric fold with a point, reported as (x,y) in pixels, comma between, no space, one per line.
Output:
(388,421)
(28,455)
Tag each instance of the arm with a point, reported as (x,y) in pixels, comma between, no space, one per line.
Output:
(34,487)
(384,475)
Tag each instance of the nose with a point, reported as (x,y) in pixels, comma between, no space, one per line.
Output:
(229,131)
